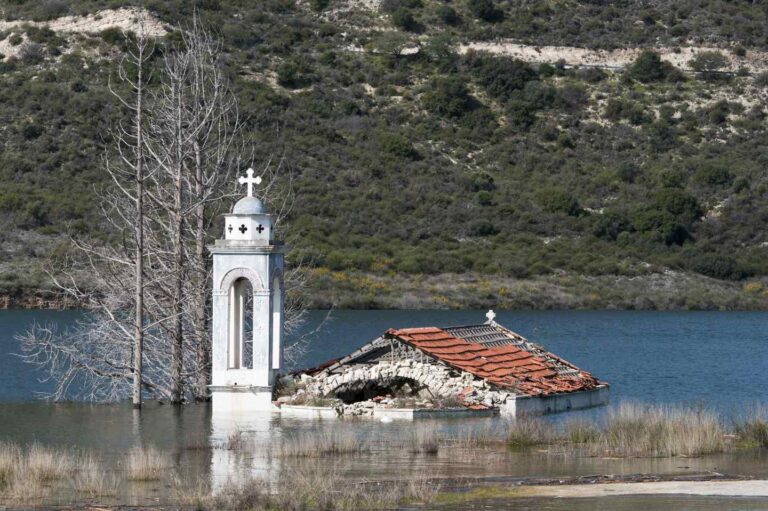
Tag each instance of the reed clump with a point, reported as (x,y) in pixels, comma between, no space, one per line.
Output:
(47,464)
(581,431)
(145,464)
(314,485)
(526,432)
(752,431)
(327,442)
(633,429)
(423,439)
(10,460)
(93,479)
(235,441)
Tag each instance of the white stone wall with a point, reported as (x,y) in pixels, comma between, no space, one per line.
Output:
(520,406)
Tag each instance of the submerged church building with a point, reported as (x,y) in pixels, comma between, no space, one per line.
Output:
(404,373)
(477,368)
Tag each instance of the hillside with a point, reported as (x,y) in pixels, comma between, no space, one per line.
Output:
(444,153)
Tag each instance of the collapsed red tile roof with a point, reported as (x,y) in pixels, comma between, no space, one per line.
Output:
(506,366)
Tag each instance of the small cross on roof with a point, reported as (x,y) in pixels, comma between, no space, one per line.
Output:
(490,315)
(250,181)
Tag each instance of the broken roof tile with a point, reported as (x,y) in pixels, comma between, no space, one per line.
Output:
(506,365)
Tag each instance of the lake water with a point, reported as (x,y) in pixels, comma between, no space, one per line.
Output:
(719,359)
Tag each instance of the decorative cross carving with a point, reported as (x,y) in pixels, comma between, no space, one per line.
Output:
(260,228)
(250,181)
(229,228)
(242,229)
(490,315)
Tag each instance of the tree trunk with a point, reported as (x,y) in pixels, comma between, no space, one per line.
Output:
(177,334)
(202,348)
(138,342)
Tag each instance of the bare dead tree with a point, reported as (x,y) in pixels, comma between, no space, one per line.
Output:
(217,148)
(191,143)
(137,57)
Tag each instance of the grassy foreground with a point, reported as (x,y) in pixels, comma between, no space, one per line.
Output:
(311,474)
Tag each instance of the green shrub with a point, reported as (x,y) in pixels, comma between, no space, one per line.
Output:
(741,184)
(558,200)
(486,10)
(31,131)
(501,76)
(448,97)
(628,172)
(31,53)
(648,67)
(403,19)
(295,74)
(113,36)
(659,226)
(719,267)
(320,5)
(718,112)
(482,228)
(484,198)
(397,145)
(610,225)
(521,114)
(709,64)
(618,109)
(714,175)
(679,203)
(447,15)
(761,80)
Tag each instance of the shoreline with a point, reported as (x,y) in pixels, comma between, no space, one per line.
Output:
(668,291)
(713,488)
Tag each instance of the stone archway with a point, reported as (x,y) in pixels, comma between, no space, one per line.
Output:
(234,274)
(438,379)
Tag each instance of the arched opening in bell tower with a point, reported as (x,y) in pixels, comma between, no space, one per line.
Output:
(240,346)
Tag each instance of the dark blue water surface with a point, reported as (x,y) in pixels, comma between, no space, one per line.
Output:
(719,359)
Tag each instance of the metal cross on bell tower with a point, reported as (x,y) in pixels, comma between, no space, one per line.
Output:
(250,181)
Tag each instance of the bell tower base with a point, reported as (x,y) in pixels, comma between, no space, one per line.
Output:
(238,402)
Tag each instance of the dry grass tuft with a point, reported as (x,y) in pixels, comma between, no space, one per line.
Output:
(315,485)
(420,490)
(581,431)
(526,432)
(48,464)
(652,430)
(327,442)
(145,464)
(423,438)
(93,479)
(752,431)
(235,441)
(10,460)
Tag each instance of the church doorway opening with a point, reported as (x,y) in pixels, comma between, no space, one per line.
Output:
(394,388)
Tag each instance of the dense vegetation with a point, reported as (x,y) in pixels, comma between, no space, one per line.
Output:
(433,162)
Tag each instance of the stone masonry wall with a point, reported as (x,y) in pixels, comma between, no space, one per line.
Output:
(440,380)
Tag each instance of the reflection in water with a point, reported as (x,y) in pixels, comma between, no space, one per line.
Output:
(243,439)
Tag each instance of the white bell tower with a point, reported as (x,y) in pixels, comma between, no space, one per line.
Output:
(248,297)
